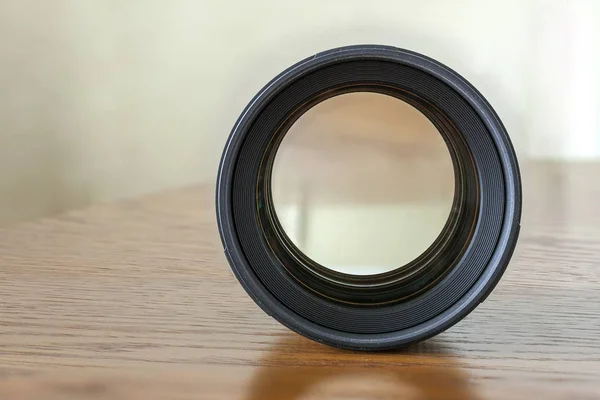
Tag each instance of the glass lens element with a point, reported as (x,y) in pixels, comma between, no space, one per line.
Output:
(363,183)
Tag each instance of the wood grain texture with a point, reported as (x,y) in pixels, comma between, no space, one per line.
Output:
(134,300)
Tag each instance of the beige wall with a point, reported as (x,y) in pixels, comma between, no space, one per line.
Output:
(108,99)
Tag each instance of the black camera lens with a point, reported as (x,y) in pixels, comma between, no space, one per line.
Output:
(390,307)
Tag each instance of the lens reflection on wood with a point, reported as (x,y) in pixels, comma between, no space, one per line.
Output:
(363,183)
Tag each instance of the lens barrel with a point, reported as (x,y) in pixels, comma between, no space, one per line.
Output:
(425,296)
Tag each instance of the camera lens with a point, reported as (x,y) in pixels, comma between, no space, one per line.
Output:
(368,197)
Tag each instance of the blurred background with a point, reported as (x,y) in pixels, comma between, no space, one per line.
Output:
(112,99)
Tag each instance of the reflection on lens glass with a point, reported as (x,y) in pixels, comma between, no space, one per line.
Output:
(363,183)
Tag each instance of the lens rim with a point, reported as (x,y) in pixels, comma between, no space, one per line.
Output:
(382,329)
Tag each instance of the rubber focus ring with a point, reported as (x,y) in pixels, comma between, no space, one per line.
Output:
(491,183)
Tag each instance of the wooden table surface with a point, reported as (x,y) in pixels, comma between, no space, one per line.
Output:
(134,300)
